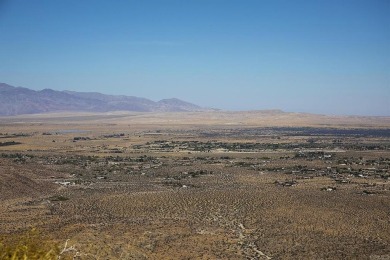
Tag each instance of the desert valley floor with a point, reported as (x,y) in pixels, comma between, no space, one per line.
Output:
(202,185)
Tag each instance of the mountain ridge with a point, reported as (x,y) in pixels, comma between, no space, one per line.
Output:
(21,100)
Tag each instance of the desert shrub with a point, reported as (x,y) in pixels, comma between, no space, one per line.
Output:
(31,245)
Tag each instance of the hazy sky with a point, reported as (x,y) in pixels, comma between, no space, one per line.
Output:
(318,56)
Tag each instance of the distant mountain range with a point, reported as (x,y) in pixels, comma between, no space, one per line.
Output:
(19,100)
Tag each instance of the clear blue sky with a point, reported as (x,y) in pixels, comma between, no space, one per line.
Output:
(319,56)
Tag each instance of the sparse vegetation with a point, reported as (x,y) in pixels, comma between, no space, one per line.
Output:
(195,192)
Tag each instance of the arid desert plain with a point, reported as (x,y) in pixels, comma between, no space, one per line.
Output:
(201,185)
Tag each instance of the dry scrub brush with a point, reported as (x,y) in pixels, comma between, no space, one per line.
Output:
(28,246)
